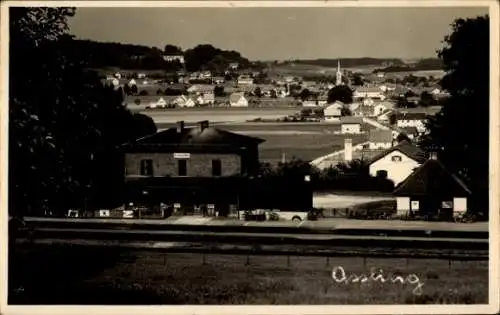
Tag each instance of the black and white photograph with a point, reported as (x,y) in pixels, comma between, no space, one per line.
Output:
(306,155)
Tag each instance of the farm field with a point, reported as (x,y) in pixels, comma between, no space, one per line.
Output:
(145,277)
(305,141)
(240,115)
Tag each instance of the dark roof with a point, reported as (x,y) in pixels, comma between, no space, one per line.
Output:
(194,136)
(408,149)
(432,178)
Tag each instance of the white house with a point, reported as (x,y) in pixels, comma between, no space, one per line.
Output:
(233,66)
(206,75)
(245,80)
(171,58)
(118,75)
(417,120)
(333,112)
(160,103)
(310,103)
(398,162)
(131,82)
(350,124)
(368,102)
(189,103)
(183,101)
(387,87)
(368,92)
(219,80)
(238,100)
(141,76)
(436,91)
(201,88)
(206,99)
(380,139)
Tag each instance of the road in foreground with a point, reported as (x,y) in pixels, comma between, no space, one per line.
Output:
(336,223)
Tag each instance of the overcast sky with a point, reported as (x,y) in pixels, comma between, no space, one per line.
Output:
(278,33)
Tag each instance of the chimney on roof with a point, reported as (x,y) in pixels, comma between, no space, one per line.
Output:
(348,150)
(180,126)
(203,125)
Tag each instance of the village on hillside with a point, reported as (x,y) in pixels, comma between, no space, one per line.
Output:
(374,118)
(188,174)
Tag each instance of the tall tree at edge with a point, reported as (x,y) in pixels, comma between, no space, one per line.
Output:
(460,131)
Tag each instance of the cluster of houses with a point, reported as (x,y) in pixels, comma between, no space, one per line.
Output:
(195,167)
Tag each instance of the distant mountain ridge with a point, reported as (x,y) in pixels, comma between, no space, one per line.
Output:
(386,64)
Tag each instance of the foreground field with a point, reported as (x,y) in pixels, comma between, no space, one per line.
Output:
(141,277)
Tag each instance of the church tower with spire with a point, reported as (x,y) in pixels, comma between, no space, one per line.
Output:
(338,80)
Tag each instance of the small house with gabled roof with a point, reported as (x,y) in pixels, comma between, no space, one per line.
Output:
(398,162)
(432,190)
(350,124)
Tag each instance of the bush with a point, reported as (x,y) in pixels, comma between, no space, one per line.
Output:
(143,93)
(137,102)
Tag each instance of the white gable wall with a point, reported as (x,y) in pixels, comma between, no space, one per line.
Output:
(380,145)
(396,171)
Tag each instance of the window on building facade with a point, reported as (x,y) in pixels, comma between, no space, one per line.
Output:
(147,167)
(182,167)
(396,158)
(216,168)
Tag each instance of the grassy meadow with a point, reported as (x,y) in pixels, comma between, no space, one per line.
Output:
(305,141)
(119,276)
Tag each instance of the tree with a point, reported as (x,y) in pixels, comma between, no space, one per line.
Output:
(426,99)
(133,89)
(345,111)
(410,93)
(340,93)
(127,90)
(403,137)
(465,151)
(257,92)
(402,102)
(65,125)
(172,50)
(274,94)
(305,94)
(357,80)
(392,119)
(219,91)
